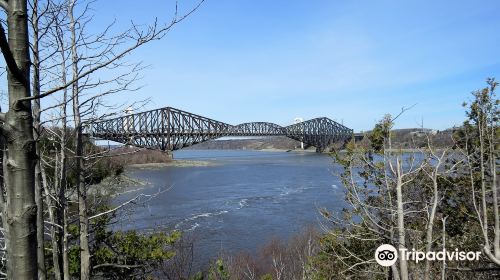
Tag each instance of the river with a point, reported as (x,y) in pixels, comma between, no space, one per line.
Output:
(240,201)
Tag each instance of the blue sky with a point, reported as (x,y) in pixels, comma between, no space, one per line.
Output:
(260,60)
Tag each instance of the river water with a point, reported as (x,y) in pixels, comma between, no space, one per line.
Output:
(241,201)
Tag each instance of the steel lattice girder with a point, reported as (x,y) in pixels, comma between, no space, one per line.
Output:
(258,129)
(319,132)
(172,129)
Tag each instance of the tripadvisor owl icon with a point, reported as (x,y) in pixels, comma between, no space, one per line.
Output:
(386,255)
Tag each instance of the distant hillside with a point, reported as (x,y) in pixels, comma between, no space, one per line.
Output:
(402,138)
(417,137)
(278,142)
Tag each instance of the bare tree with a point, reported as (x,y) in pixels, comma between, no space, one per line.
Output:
(435,169)
(382,190)
(36,117)
(38,12)
(478,143)
(17,127)
(23,188)
(102,52)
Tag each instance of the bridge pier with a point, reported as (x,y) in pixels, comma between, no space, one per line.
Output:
(169,154)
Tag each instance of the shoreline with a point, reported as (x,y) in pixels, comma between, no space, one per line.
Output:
(260,150)
(202,163)
(172,163)
(116,185)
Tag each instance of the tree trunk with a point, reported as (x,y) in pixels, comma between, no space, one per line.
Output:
(80,178)
(443,265)
(483,181)
(403,265)
(39,224)
(82,211)
(430,225)
(65,244)
(38,178)
(20,157)
(494,188)
(63,212)
(51,207)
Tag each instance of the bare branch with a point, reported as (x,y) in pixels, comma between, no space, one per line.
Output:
(141,38)
(141,195)
(4,5)
(404,109)
(9,58)
(126,266)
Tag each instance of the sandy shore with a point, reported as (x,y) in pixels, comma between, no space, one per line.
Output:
(173,163)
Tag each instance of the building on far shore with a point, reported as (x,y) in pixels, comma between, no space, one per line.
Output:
(423,132)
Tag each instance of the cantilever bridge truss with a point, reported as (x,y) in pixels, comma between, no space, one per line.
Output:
(171,129)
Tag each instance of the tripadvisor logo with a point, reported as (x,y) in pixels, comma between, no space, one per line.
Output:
(387,255)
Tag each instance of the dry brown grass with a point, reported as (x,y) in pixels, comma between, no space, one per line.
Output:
(132,155)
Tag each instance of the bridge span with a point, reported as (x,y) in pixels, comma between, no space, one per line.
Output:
(170,129)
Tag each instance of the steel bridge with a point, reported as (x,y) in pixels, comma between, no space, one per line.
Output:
(170,129)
